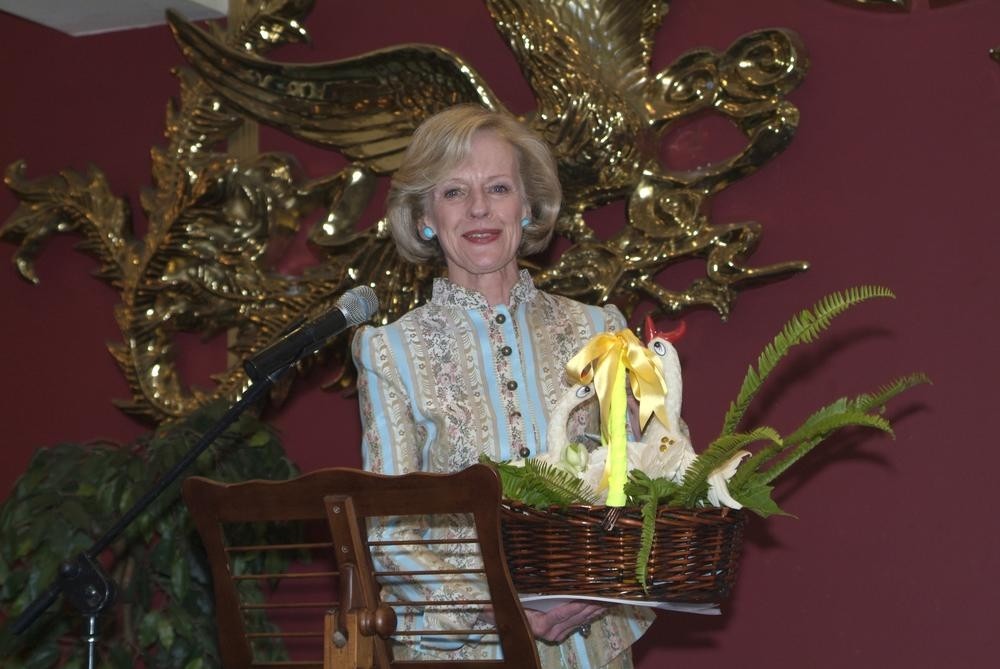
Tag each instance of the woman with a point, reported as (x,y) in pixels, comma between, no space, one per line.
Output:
(479,368)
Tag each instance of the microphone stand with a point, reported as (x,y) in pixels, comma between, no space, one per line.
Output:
(82,580)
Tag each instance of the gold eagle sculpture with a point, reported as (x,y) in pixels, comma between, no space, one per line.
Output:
(217,223)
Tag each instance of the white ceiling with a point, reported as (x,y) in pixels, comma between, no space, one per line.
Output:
(89,17)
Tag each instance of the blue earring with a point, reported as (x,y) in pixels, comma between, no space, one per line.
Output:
(427,233)
(525,222)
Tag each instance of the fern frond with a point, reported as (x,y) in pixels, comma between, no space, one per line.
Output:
(568,486)
(695,484)
(540,484)
(754,462)
(756,497)
(640,488)
(826,422)
(878,399)
(649,508)
(813,432)
(802,328)
(647,493)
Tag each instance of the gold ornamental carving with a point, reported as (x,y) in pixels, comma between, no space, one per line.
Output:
(218,223)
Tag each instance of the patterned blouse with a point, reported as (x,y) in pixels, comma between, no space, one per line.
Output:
(456,378)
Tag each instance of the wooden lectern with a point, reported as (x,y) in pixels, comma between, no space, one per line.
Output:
(342,620)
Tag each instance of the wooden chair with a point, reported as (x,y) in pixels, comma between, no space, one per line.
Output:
(333,600)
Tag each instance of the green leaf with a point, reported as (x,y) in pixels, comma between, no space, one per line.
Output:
(127,498)
(86,489)
(261,438)
(757,498)
(161,558)
(26,544)
(149,628)
(179,578)
(165,631)
(74,513)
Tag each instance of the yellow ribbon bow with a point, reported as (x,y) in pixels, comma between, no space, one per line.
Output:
(603,361)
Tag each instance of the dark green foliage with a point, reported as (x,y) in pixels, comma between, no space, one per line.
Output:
(71,493)
(755,474)
(804,327)
(694,487)
(750,486)
(648,492)
(539,484)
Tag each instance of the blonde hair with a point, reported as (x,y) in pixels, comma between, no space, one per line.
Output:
(441,143)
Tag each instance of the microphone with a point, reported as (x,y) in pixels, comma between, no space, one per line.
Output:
(353,308)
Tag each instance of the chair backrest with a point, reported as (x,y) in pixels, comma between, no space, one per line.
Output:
(283,554)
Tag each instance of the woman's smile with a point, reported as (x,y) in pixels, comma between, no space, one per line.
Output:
(482,236)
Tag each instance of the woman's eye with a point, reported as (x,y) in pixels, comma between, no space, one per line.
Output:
(499,188)
(452,193)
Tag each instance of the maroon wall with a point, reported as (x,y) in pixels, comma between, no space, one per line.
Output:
(891,179)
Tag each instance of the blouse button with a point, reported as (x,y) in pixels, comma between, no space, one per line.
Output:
(512,385)
(515,415)
(506,350)
(501,318)
(524,452)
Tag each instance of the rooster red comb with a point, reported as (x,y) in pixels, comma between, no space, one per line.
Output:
(652,333)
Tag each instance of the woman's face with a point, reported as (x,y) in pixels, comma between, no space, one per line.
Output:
(476,212)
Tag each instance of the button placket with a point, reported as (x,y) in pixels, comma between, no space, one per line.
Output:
(508,373)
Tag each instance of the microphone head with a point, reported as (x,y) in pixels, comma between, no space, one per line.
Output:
(358,305)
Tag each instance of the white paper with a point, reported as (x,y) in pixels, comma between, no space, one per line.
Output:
(546,602)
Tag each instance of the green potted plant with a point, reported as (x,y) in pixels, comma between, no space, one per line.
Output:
(163,615)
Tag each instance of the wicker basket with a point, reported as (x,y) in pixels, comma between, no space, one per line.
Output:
(567,551)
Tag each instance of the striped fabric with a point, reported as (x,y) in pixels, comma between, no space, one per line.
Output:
(456,378)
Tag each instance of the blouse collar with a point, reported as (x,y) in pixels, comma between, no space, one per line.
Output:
(446,293)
